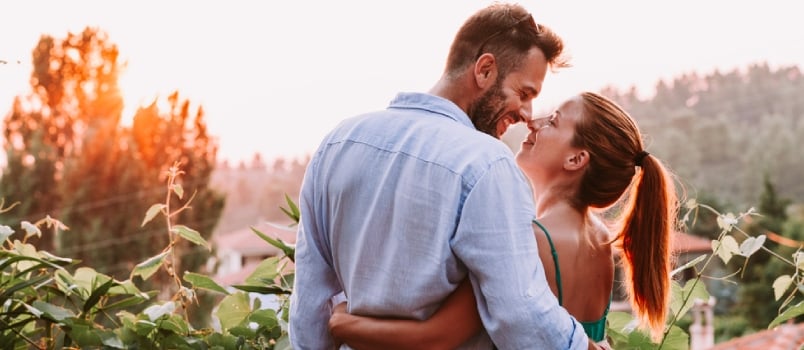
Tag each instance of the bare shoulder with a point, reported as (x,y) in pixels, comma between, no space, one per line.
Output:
(600,235)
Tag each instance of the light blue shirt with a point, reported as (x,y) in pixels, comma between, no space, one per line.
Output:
(398,206)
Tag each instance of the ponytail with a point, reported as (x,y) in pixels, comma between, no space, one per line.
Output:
(648,220)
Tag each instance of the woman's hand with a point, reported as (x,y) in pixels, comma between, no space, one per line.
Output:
(455,321)
(339,319)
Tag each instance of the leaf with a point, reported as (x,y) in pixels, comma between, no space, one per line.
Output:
(265,272)
(151,213)
(7,292)
(94,298)
(751,245)
(293,212)
(687,265)
(85,336)
(174,323)
(233,310)
(53,312)
(191,235)
(725,248)
(154,312)
(148,267)
(780,285)
(622,329)
(265,318)
(144,327)
(17,258)
(726,221)
(30,229)
(288,250)
(677,338)
(263,289)
(793,311)
(110,339)
(84,278)
(281,227)
(55,259)
(5,232)
(28,250)
(243,332)
(126,287)
(34,311)
(798,259)
(130,301)
(203,282)
(691,291)
(178,190)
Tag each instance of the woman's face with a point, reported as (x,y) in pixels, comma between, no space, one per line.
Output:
(548,145)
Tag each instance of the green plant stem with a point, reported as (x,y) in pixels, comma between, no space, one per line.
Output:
(698,276)
(746,234)
(22,336)
(766,249)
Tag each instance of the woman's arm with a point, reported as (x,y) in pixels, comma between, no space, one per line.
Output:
(452,324)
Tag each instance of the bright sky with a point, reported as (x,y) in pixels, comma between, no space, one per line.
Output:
(275,76)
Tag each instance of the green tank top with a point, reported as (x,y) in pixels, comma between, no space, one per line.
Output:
(594,330)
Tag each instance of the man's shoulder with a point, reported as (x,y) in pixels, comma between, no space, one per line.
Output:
(425,136)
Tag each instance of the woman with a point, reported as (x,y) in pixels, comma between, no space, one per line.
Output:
(580,160)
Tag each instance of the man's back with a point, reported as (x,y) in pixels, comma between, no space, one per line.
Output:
(391,199)
(397,205)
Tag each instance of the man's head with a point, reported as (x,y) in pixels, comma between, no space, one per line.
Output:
(508,55)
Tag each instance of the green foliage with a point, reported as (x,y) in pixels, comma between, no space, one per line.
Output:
(732,244)
(51,302)
(768,284)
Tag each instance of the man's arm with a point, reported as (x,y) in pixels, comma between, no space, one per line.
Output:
(315,281)
(495,240)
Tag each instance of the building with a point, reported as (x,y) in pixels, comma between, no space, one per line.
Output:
(239,252)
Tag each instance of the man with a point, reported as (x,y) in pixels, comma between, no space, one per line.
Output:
(398,206)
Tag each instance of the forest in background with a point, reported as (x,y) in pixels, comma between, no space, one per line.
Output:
(722,134)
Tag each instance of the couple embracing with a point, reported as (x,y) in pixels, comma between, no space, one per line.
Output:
(435,235)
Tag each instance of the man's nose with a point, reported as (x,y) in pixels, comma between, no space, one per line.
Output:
(526,111)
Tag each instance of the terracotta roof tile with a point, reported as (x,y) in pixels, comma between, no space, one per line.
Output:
(783,337)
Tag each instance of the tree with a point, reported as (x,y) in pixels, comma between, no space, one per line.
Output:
(70,158)
(755,295)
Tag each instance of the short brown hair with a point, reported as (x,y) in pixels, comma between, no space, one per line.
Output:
(508,31)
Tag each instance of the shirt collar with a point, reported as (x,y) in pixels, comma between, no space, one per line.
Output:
(431,103)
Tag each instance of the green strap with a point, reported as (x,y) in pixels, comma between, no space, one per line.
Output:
(555,260)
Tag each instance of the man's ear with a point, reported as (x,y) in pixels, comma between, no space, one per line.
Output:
(485,71)
(577,160)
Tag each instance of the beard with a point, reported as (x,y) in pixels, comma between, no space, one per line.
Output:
(487,110)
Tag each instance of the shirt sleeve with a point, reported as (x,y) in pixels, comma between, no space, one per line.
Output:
(315,282)
(495,240)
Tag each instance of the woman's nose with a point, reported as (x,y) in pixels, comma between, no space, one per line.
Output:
(535,124)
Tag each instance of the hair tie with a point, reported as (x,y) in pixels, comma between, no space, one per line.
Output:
(639,157)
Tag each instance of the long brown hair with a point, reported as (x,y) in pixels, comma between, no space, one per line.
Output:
(618,161)
(508,31)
